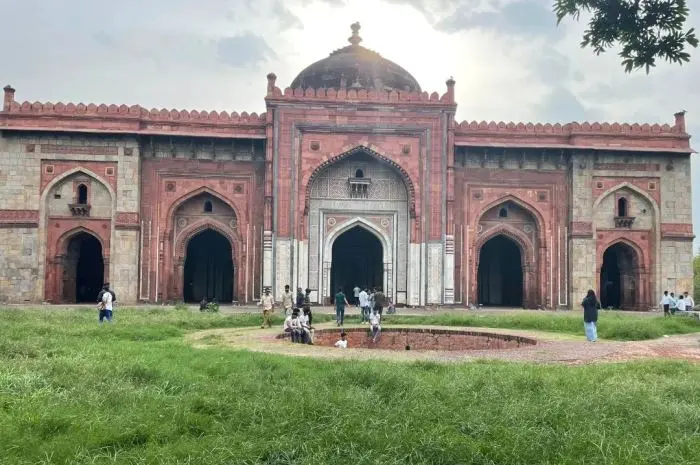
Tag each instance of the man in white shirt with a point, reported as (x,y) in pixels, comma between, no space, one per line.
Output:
(364,305)
(375,325)
(689,302)
(287,301)
(666,304)
(680,304)
(356,293)
(106,299)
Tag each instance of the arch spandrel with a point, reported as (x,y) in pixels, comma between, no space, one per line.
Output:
(403,174)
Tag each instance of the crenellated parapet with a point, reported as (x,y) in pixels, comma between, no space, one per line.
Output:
(126,119)
(613,136)
(352,95)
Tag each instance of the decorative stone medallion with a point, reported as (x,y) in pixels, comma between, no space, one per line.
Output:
(385,223)
(233,223)
(170,186)
(181,222)
(331,221)
(527,228)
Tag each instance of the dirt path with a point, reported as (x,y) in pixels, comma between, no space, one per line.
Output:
(551,347)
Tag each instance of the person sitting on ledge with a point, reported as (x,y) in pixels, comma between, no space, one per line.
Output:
(375,324)
(306,326)
(343,342)
(287,325)
(296,328)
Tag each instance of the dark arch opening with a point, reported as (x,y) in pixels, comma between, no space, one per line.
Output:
(500,273)
(618,277)
(503,213)
(82,194)
(622,206)
(359,173)
(208,268)
(357,260)
(208,207)
(83,269)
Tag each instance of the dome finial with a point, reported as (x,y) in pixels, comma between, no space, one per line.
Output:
(355,39)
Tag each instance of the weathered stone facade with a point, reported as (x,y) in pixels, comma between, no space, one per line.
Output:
(601,206)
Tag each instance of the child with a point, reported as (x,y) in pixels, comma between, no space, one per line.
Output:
(342,343)
(374,324)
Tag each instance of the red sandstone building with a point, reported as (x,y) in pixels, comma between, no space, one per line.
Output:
(353,176)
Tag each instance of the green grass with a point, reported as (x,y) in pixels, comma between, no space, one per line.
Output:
(611,325)
(72,392)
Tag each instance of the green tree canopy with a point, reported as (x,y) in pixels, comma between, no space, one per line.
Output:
(646,30)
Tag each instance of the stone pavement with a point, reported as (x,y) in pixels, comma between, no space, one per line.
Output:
(551,347)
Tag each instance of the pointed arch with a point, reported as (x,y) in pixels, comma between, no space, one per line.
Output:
(71,172)
(65,238)
(51,268)
(531,209)
(631,244)
(201,190)
(364,224)
(195,228)
(528,251)
(410,188)
(633,188)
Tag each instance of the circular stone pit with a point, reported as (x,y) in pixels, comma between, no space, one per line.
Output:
(421,339)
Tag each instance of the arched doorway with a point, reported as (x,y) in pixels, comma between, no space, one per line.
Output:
(357,260)
(500,273)
(619,277)
(83,269)
(208,268)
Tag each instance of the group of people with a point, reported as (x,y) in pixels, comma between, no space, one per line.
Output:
(669,303)
(672,304)
(368,301)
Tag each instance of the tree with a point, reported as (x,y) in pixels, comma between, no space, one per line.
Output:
(646,30)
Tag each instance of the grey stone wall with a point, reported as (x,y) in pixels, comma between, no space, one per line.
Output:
(19,265)
(20,189)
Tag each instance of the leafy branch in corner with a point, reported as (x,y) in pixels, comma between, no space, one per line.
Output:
(646,30)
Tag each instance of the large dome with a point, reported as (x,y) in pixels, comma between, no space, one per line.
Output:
(356,67)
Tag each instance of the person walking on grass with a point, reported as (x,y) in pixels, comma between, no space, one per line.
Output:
(106,299)
(666,304)
(287,301)
(340,302)
(590,315)
(356,293)
(267,303)
(364,305)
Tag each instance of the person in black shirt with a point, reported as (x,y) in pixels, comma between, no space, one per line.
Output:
(300,299)
(590,315)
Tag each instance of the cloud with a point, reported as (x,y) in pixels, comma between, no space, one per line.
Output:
(522,18)
(244,50)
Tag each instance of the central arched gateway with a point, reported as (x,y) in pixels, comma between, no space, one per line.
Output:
(356,260)
(359,212)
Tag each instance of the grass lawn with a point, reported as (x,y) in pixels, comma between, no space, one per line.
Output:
(72,392)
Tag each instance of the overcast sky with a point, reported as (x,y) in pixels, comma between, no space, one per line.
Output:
(510,60)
